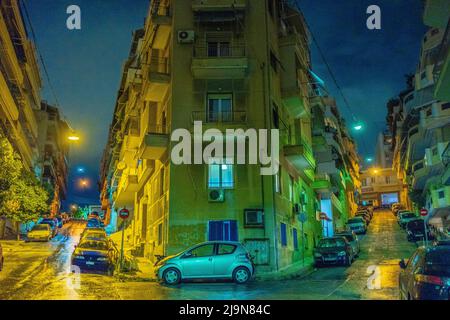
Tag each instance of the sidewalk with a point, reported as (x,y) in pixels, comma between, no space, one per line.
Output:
(142,269)
(296,270)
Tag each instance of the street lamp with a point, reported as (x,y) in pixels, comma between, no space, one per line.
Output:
(73,138)
(369,160)
(358,127)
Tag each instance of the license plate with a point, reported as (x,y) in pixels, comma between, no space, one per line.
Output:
(90,263)
(330,259)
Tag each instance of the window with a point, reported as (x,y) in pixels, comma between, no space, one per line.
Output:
(220,175)
(276,117)
(161,182)
(291,188)
(434,151)
(295,238)
(220,108)
(271,8)
(364,182)
(160,234)
(202,251)
(283,235)
(225,249)
(441,194)
(423,75)
(445,106)
(219,49)
(388,180)
(223,230)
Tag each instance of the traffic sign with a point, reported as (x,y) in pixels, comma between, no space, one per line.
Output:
(423,212)
(124,213)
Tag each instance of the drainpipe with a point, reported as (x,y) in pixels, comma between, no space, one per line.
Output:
(265,68)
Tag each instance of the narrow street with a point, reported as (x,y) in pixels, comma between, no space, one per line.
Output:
(42,271)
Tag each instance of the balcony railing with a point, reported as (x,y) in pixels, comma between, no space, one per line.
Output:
(219,52)
(220,117)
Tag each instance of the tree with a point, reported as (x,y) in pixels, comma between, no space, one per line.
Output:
(22,198)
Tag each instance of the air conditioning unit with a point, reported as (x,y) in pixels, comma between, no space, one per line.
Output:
(186,36)
(216,195)
(254,218)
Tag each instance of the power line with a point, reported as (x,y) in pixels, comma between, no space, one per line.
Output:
(330,71)
(44,67)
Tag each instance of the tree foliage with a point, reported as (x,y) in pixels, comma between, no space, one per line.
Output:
(22,198)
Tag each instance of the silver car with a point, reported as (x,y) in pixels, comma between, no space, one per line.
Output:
(209,260)
(357,225)
(353,240)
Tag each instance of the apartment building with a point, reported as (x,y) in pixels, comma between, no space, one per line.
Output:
(337,180)
(382,187)
(20,85)
(229,64)
(420,121)
(54,151)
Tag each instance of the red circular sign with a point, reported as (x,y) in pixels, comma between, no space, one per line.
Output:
(324,216)
(124,214)
(423,212)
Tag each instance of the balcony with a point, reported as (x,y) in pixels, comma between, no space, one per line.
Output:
(209,62)
(161,17)
(128,185)
(219,5)
(322,182)
(154,145)
(300,156)
(294,93)
(440,197)
(419,175)
(417,99)
(158,79)
(436,116)
(221,120)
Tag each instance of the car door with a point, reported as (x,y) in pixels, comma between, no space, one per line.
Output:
(407,276)
(199,262)
(224,259)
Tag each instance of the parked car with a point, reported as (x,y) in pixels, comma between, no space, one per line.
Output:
(352,238)
(95,256)
(334,250)
(357,225)
(396,207)
(94,234)
(2,259)
(52,225)
(365,215)
(404,217)
(94,223)
(40,232)
(59,221)
(426,275)
(209,260)
(416,230)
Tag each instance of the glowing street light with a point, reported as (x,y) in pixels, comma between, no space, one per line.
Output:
(73,138)
(358,127)
(369,159)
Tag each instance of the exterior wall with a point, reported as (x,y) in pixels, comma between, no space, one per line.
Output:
(20,85)
(376,182)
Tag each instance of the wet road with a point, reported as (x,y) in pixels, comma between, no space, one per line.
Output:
(42,271)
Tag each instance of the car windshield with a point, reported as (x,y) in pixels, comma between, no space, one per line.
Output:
(354,220)
(95,235)
(96,245)
(331,243)
(40,227)
(438,262)
(349,237)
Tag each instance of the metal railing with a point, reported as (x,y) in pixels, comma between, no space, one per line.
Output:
(220,117)
(207,50)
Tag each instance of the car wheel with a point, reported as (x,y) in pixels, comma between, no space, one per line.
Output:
(111,271)
(348,261)
(241,275)
(172,276)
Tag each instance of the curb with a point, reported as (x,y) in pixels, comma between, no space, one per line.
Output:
(306,271)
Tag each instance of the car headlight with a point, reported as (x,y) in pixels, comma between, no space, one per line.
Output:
(317,254)
(102,259)
(342,253)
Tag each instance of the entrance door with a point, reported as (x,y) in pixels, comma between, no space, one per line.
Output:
(223,230)
(220,108)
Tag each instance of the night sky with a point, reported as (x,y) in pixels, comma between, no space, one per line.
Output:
(85,66)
